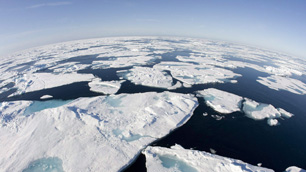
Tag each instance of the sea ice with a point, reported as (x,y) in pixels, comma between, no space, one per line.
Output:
(294,169)
(147,76)
(37,106)
(283,83)
(9,110)
(221,101)
(68,67)
(39,81)
(224,102)
(272,122)
(124,62)
(207,61)
(177,158)
(105,87)
(218,117)
(260,111)
(197,74)
(46,97)
(51,164)
(102,133)
(282,71)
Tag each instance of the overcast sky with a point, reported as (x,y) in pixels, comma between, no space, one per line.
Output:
(273,24)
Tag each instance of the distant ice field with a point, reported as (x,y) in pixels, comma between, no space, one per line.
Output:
(130,95)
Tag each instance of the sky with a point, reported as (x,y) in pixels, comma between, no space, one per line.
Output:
(278,25)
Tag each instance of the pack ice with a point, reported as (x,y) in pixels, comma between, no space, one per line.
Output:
(103,133)
(283,83)
(197,74)
(38,81)
(105,87)
(148,76)
(178,159)
(224,102)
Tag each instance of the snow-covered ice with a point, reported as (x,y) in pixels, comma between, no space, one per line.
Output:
(282,71)
(221,101)
(68,67)
(197,74)
(294,169)
(102,133)
(105,87)
(283,83)
(46,97)
(177,159)
(260,111)
(9,110)
(39,81)
(124,62)
(272,122)
(224,102)
(148,76)
(207,62)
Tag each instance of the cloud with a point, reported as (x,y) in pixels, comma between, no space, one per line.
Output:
(50,4)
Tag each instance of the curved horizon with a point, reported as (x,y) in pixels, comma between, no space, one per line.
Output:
(273,25)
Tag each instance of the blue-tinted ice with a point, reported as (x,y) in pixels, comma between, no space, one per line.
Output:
(170,161)
(51,164)
(37,106)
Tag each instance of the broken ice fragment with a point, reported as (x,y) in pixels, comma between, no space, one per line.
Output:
(283,83)
(221,101)
(224,102)
(39,81)
(177,158)
(294,169)
(46,97)
(105,87)
(272,122)
(196,74)
(148,76)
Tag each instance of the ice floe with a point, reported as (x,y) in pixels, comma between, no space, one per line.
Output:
(124,62)
(105,87)
(68,67)
(177,158)
(260,111)
(283,83)
(38,81)
(282,71)
(103,133)
(197,74)
(224,102)
(294,169)
(46,97)
(272,122)
(149,77)
(221,101)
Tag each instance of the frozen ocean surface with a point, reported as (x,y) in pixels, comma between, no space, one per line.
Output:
(117,127)
(178,159)
(54,96)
